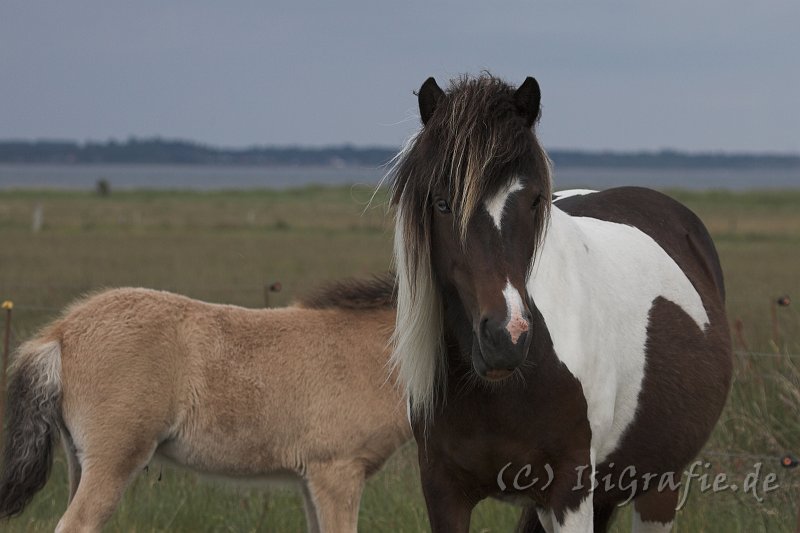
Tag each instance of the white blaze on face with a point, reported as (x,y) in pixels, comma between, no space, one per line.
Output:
(497,203)
(516,324)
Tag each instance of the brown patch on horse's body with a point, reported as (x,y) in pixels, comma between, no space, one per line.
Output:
(225,391)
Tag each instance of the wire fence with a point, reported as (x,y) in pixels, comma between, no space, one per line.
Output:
(786,460)
(743,353)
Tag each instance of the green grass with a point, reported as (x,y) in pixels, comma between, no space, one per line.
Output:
(225,246)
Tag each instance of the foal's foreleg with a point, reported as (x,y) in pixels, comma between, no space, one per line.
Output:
(312,521)
(335,489)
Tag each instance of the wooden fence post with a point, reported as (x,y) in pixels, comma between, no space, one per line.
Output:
(275,287)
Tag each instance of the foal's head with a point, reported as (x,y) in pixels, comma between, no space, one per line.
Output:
(472,192)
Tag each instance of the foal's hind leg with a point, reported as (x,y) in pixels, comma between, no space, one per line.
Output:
(336,494)
(105,474)
(73,464)
(654,511)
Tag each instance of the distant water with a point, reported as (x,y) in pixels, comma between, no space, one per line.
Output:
(250,177)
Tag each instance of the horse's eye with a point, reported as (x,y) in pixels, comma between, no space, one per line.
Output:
(536,202)
(442,206)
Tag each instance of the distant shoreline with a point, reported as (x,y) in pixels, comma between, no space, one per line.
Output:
(156,151)
(245,177)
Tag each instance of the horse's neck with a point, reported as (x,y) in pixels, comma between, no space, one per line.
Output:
(560,260)
(594,283)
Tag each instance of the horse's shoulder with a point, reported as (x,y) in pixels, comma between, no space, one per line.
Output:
(671,225)
(661,217)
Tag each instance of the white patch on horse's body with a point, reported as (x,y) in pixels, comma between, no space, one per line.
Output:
(515,324)
(594,283)
(560,195)
(643,526)
(497,203)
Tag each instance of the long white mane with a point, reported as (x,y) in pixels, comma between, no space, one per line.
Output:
(417,342)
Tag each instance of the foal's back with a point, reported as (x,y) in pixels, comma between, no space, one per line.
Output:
(230,390)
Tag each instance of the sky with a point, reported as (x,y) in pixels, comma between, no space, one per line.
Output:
(721,75)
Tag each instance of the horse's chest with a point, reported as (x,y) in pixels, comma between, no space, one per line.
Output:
(512,448)
(502,467)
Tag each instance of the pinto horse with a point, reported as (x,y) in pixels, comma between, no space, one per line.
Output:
(547,342)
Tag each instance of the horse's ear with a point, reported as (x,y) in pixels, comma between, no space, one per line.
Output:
(429,96)
(528,99)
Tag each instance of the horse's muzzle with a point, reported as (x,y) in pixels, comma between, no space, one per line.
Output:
(501,347)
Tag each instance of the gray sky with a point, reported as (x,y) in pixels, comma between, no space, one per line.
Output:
(627,74)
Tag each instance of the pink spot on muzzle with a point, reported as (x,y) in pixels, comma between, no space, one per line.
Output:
(516,327)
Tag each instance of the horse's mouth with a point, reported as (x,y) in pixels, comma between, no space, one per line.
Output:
(498,375)
(481,368)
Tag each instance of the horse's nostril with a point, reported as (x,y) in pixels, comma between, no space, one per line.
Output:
(489,332)
(484,327)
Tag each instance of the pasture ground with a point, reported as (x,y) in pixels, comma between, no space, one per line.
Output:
(225,246)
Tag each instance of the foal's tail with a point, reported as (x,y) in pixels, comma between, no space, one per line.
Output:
(34,418)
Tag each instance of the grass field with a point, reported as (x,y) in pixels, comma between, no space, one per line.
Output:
(225,246)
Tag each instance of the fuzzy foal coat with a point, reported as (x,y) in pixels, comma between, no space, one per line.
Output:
(293,393)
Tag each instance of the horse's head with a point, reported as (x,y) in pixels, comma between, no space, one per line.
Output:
(472,192)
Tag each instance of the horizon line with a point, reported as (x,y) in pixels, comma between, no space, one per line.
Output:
(346,145)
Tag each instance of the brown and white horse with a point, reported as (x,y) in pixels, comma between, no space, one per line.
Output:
(546,342)
(298,394)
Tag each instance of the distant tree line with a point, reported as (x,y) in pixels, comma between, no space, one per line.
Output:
(163,151)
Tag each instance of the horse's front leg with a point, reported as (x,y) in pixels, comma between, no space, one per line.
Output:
(579,519)
(449,509)
(572,497)
(449,500)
